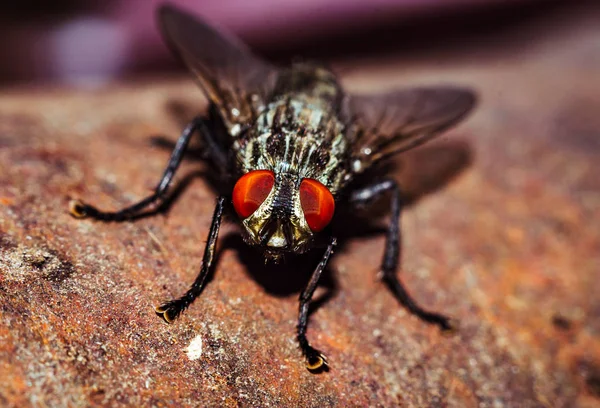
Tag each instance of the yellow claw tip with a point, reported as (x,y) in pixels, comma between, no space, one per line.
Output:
(317,363)
(163,313)
(76,209)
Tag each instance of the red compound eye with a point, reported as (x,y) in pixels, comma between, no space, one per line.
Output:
(317,203)
(251,190)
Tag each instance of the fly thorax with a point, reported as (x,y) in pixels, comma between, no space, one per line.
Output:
(297,135)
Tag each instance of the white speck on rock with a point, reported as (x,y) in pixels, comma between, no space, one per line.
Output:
(194,350)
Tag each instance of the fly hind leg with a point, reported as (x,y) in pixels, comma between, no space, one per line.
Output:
(392,251)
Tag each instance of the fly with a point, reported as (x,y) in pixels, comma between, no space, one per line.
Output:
(290,143)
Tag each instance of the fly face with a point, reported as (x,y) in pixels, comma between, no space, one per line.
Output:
(292,162)
(281,212)
(294,142)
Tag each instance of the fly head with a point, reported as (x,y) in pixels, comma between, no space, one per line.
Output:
(281,212)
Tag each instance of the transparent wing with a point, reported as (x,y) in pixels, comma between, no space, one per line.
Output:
(235,81)
(387,124)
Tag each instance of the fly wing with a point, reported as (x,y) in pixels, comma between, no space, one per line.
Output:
(235,81)
(387,124)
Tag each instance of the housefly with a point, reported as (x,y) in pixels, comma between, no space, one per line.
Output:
(290,145)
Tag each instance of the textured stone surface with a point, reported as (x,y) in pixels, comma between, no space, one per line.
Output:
(508,242)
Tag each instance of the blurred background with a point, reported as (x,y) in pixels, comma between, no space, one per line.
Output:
(90,42)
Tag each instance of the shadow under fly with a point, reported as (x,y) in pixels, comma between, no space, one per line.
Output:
(293,153)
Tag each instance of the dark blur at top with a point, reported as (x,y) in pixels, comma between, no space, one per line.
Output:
(89,43)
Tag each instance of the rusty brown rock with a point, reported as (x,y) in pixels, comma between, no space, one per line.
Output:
(509,243)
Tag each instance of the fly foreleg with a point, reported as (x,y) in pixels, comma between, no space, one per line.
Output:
(169,311)
(315,360)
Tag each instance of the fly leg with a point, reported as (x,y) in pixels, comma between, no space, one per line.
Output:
(169,311)
(389,266)
(315,360)
(79,209)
